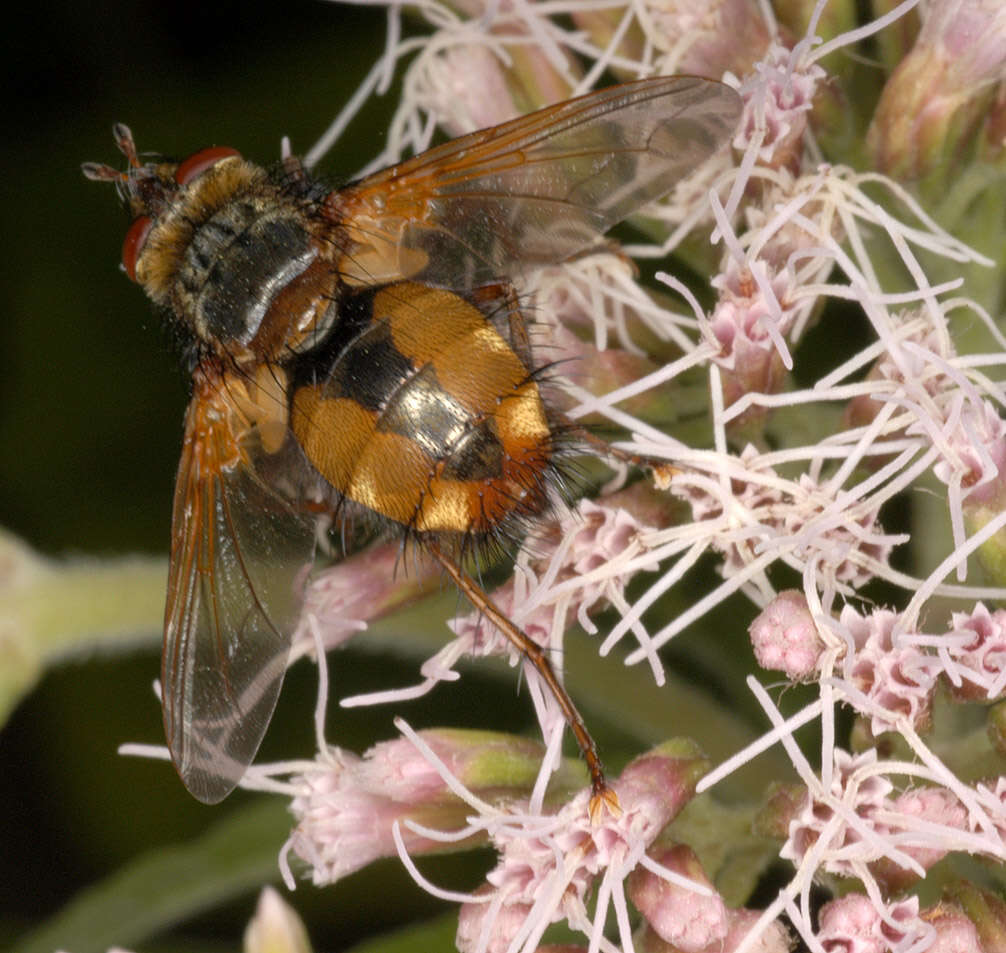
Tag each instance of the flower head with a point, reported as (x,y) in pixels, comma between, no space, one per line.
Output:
(688,920)
(548,866)
(706,39)
(979,655)
(854,925)
(779,95)
(896,679)
(346,807)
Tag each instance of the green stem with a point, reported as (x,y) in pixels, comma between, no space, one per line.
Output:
(50,610)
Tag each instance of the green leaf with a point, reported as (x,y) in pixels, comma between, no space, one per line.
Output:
(431,937)
(721,836)
(169,885)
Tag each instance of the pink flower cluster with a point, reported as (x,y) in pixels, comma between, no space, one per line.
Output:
(860,828)
(780,93)
(896,680)
(784,636)
(551,865)
(346,805)
(976,663)
(974,452)
(891,674)
(583,547)
(837,825)
(854,925)
(800,517)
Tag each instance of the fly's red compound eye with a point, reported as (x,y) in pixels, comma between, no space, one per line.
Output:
(136,237)
(199,162)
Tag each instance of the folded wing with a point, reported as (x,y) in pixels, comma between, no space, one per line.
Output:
(238,556)
(535,190)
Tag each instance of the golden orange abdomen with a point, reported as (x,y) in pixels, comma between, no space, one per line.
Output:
(427,415)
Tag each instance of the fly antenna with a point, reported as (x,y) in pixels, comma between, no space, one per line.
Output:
(100,171)
(124,140)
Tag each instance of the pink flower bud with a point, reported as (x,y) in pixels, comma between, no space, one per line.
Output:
(784,801)
(935,100)
(467,88)
(689,920)
(346,805)
(955,933)
(361,588)
(853,924)
(784,636)
(772,938)
(986,910)
(707,39)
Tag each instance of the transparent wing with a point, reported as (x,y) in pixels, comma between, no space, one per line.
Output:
(238,554)
(535,190)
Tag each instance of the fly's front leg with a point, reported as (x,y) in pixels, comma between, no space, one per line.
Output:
(661,469)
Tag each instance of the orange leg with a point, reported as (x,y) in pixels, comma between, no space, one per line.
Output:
(602,796)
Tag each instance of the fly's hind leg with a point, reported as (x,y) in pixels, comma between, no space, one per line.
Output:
(602,796)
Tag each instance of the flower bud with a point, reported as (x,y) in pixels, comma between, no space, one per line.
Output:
(955,933)
(986,910)
(934,102)
(784,636)
(361,588)
(706,39)
(275,927)
(689,920)
(785,800)
(487,87)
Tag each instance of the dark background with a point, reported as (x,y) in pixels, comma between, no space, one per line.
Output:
(91,404)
